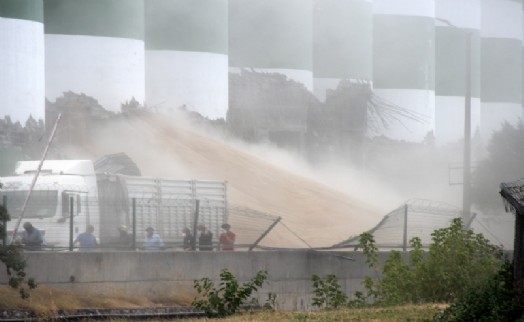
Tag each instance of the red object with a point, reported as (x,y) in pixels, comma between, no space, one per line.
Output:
(227,241)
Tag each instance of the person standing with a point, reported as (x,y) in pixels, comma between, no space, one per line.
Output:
(188,239)
(227,239)
(205,240)
(32,238)
(152,240)
(125,239)
(87,240)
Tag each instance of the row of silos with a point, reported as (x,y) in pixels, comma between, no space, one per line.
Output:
(21,59)
(99,48)
(172,53)
(418,53)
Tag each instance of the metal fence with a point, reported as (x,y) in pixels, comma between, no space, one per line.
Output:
(62,215)
(415,218)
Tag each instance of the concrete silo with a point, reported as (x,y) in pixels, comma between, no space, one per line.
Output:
(457,23)
(95,47)
(272,36)
(501,64)
(22,59)
(342,43)
(186,55)
(403,64)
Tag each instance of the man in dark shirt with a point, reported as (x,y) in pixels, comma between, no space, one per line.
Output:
(205,240)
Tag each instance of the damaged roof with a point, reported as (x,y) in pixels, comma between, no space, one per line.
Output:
(513,195)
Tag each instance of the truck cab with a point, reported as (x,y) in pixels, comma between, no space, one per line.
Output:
(61,187)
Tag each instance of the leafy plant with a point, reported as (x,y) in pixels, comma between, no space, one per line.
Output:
(328,294)
(228,298)
(271,302)
(457,260)
(371,285)
(494,301)
(15,264)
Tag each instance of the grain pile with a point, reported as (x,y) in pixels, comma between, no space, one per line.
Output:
(162,147)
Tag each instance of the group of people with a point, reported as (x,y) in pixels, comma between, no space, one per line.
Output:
(226,240)
(33,239)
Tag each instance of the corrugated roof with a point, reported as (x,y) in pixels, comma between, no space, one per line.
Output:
(513,195)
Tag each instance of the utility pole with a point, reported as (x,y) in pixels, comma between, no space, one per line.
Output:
(466,187)
(466,163)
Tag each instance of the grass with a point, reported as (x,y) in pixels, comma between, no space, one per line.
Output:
(405,313)
(46,301)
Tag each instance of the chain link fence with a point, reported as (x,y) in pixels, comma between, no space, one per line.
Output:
(62,212)
(415,218)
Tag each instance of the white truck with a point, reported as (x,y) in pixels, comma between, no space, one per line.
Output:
(108,201)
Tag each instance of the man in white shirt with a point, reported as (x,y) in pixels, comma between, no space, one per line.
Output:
(152,240)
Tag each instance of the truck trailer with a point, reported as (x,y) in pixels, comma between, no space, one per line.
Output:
(69,195)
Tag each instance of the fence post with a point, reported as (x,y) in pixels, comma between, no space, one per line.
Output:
(264,234)
(4,221)
(405,242)
(134,224)
(195,223)
(71,216)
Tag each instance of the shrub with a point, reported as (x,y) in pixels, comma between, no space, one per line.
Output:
(457,260)
(15,264)
(327,292)
(229,297)
(493,301)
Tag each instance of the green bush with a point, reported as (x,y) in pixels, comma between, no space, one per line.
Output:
(229,297)
(327,292)
(15,264)
(457,260)
(494,301)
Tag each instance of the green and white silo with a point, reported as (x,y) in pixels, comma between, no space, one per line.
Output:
(342,43)
(404,65)
(95,47)
(457,26)
(272,36)
(22,59)
(501,64)
(186,55)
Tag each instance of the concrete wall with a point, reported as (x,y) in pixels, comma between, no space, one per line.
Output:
(157,274)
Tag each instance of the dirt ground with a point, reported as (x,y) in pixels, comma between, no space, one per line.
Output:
(46,301)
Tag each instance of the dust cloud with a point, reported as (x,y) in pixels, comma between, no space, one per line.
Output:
(316,209)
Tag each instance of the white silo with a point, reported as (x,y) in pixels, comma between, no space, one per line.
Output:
(404,64)
(273,36)
(95,47)
(342,43)
(186,55)
(457,24)
(22,59)
(501,64)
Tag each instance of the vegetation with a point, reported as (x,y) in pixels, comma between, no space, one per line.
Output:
(457,260)
(11,256)
(328,294)
(494,301)
(228,298)
(411,313)
(460,266)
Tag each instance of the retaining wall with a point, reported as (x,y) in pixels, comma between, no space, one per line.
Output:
(164,273)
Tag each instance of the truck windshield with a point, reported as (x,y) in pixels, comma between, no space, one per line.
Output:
(42,204)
